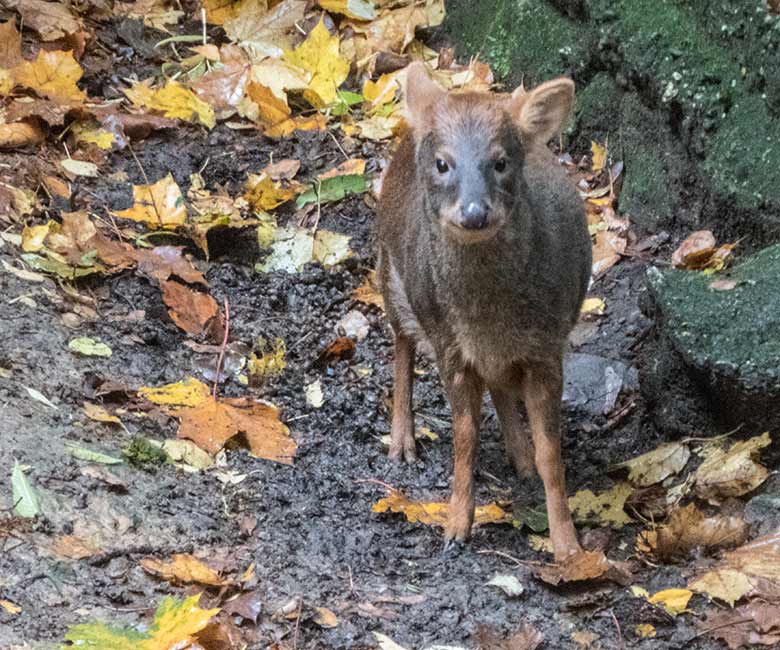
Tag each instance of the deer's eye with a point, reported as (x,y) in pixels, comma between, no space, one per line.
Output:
(441,166)
(500,165)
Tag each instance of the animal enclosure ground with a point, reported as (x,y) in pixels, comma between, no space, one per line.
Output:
(307,527)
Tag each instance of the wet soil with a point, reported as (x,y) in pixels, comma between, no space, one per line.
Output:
(308,527)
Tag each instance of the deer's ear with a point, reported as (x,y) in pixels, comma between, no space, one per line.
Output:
(541,112)
(421,94)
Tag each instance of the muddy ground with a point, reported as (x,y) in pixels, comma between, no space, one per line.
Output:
(308,527)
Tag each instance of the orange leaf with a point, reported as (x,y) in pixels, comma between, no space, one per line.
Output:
(195,312)
(53,75)
(183,568)
(211,424)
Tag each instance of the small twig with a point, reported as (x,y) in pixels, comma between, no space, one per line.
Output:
(297,625)
(621,643)
(203,22)
(146,180)
(338,144)
(387,486)
(222,347)
(509,557)
(718,627)
(715,438)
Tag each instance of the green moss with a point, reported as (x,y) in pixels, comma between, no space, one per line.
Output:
(142,454)
(737,329)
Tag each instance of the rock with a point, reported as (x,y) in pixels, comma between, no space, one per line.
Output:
(763,510)
(593,383)
(728,340)
(354,325)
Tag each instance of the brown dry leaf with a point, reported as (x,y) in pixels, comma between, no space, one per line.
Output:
(211,424)
(73,547)
(224,86)
(607,250)
(316,122)
(325,617)
(585,565)
(219,11)
(183,569)
(263,33)
(52,75)
(282,170)
(526,638)
(10,45)
(51,20)
(195,312)
(748,626)
(155,13)
(159,205)
(99,414)
(436,513)
(657,465)
(732,472)
(264,107)
(688,529)
(605,507)
(21,134)
(173,101)
(752,569)
(367,292)
(342,347)
(379,127)
(692,247)
(584,638)
(162,262)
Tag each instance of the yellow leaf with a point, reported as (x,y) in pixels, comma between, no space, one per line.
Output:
(271,110)
(33,237)
(189,392)
(6,82)
(319,54)
(540,543)
(436,513)
(53,75)
(593,306)
(83,132)
(382,90)
(657,465)
(367,292)
(728,585)
(645,631)
(176,622)
(674,601)
(99,414)
(271,360)
(183,568)
(159,205)
(347,168)
(606,507)
(732,472)
(315,122)
(172,100)
(599,155)
(264,194)
(219,11)
(9,607)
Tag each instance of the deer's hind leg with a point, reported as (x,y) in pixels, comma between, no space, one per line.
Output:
(517,436)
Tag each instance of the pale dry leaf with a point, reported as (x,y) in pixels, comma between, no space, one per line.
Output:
(585,565)
(732,472)
(748,626)
(158,205)
(73,547)
(657,465)
(606,507)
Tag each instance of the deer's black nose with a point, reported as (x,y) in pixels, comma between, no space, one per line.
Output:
(474,215)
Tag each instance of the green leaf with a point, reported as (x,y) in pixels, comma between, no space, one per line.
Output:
(89,347)
(58,268)
(24,496)
(82,453)
(536,520)
(97,636)
(333,189)
(350,98)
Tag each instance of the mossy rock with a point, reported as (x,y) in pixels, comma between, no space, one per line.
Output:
(730,339)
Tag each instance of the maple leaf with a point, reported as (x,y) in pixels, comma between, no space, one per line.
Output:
(53,74)
(159,205)
(212,423)
(319,54)
(172,100)
(606,507)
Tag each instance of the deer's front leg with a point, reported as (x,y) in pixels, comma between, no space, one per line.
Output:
(542,389)
(465,393)
(402,431)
